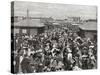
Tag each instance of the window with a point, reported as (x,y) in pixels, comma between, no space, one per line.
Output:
(24,31)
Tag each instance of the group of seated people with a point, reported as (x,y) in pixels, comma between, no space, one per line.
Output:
(54,50)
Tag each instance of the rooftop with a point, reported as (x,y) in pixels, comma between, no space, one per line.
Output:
(88,26)
(29,23)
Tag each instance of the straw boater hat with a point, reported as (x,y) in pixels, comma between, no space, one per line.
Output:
(91,46)
(84,56)
(85,48)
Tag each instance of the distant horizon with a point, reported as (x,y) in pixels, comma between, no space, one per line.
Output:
(54,10)
(61,18)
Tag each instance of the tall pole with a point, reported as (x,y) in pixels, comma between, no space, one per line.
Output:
(27,18)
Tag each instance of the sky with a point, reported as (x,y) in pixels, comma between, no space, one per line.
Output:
(60,11)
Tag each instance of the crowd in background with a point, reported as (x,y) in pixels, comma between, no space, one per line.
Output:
(54,50)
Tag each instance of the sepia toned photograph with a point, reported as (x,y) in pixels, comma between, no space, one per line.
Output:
(52,37)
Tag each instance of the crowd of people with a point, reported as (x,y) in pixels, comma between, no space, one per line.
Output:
(54,50)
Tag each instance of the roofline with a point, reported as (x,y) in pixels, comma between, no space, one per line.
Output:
(87,30)
(26,27)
